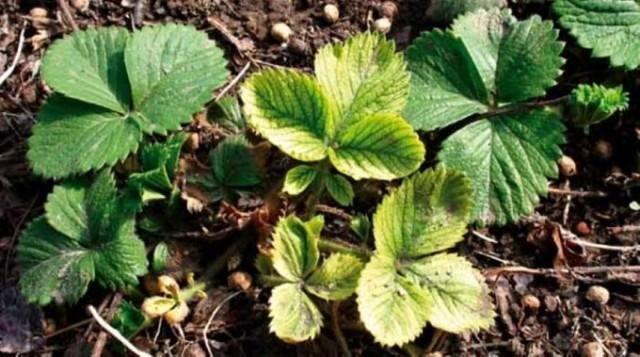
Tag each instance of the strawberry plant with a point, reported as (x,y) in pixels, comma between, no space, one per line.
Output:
(410,281)
(508,152)
(119,88)
(592,103)
(86,234)
(347,116)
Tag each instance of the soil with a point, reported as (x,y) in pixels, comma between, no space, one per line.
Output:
(594,206)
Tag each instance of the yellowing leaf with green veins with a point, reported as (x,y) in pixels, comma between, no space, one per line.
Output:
(340,189)
(610,28)
(294,317)
(298,179)
(405,285)
(348,113)
(426,214)
(486,61)
(457,293)
(86,234)
(336,278)
(295,247)
(392,308)
(120,86)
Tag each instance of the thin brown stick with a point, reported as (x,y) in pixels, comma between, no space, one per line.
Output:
(101,342)
(630,228)
(115,333)
(69,328)
(235,81)
(205,331)
(574,193)
(334,211)
(66,12)
(556,272)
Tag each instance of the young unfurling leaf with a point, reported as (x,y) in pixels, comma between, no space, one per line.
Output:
(592,103)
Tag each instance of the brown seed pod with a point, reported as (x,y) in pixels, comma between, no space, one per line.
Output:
(281,32)
(567,166)
(531,302)
(331,13)
(583,228)
(240,280)
(598,294)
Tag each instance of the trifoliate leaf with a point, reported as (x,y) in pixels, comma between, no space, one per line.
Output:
(610,28)
(444,11)
(458,296)
(382,146)
(488,58)
(508,159)
(426,214)
(392,308)
(364,76)
(173,71)
(97,74)
(340,189)
(233,164)
(295,246)
(88,233)
(291,110)
(298,179)
(228,114)
(592,103)
(159,164)
(336,278)
(74,137)
(294,317)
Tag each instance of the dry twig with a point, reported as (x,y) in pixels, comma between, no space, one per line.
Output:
(115,333)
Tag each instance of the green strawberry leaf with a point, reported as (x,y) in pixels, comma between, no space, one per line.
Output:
(508,159)
(609,28)
(426,214)
(336,278)
(233,164)
(298,179)
(159,164)
(361,226)
(444,11)
(173,71)
(382,146)
(364,76)
(472,67)
(294,317)
(392,308)
(88,234)
(72,137)
(295,247)
(97,74)
(457,293)
(291,110)
(128,319)
(340,189)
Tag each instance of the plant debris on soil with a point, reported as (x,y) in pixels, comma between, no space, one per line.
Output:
(541,271)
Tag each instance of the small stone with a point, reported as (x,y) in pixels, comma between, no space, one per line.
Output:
(81,5)
(603,150)
(389,9)
(331,13)
(531,302)
(281,32)
(592,349)
(598,294)
(38,12)
(240,280)
(382,25)
(567,166)
(583,229)
(298,46)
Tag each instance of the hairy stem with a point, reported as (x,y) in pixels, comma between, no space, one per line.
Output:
(273,280)
(318,187)
(337,331)
(342,247)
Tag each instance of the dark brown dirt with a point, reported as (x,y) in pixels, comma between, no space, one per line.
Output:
(565,320)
